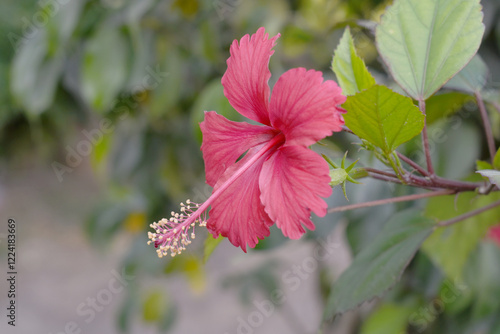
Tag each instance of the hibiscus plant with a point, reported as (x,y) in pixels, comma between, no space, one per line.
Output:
(268,171)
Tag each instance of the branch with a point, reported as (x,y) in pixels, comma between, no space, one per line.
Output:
(486,125)
(413,164)
(469,214)
(391,200)
(497,106)
(456,185)
(429,180)
(424,182)
(381,172)
(380,177)
(425,140)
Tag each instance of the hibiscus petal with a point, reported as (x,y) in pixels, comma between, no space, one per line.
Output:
(238,213)
(304,108)
(292,182)
(224,141)
(246,79)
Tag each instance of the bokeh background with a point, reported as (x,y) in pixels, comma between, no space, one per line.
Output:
(100,102)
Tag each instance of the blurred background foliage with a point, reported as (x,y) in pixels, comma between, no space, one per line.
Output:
(132,78)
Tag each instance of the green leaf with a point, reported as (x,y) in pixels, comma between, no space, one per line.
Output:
(157,308)
(496,160)
(383,117)
(168,319)
(211,98)
(154,306)
(35,74)
(480,165)
(450,247)
(455,145)
(380,265)
(62,25)
(192,267)
(483,270)
(189,8)
(351,72)
(445,105)
(296,40)
(165,96)
(426,42)
(388,319)
(105,222)
(128,309)
(104,68)
(493,175)
(101,152)
(472,78)
(211,244)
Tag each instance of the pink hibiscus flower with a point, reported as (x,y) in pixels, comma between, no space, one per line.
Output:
(279,180)
(494,234)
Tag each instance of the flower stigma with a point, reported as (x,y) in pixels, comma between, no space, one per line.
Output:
(174,234)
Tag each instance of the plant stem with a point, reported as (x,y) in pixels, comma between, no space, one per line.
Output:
(486,125)
(469,214)
(393,179)
(391,200)
(428,180)
(423,182)
(413,164)
(457,185)
(425,140)
(396,168)
(381,172)
(497,107)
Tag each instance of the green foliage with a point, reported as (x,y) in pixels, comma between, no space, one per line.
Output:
(35,73)
(453,147)
(496,160)
(380,265)
(472,78)
(493,175)
(351,72)
(482,272)
(388,319)
(104,68)
(211,98)
(383,117)
(339,175)
(190,266)
(425,42)
(450,247)
(106,221)
(151,68)
(158,309)
(444,105)
(480,165)
(39,62)
(211,244)
(154,306)
(261,279)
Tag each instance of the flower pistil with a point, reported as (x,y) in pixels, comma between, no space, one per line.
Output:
(174,234)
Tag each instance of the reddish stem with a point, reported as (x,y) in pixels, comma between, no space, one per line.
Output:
(413,164)
(486,124)
(469,214)
(391,200)
(425,140)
